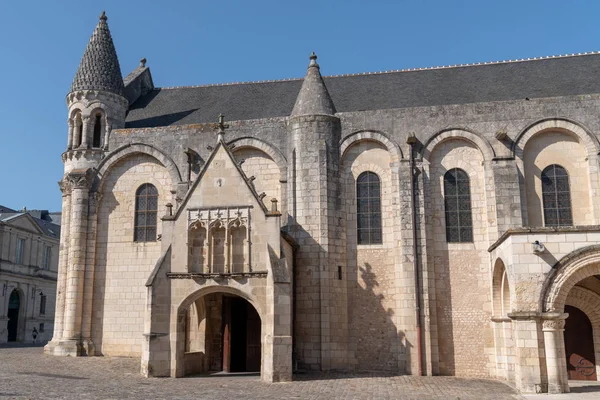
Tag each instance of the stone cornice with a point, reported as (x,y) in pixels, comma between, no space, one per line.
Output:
(542,230)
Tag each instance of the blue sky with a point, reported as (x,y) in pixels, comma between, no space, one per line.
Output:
(200,42)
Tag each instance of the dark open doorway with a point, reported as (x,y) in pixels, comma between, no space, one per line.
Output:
(579,346)
(14,305)
(241,336)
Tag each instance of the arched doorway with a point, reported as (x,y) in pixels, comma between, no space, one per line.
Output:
(14,306)
(222,334)
(579,346)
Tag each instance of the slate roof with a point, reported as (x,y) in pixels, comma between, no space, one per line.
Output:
(99,67)
(535,78)
(47,227)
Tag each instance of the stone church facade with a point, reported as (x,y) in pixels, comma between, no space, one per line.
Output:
(442,221)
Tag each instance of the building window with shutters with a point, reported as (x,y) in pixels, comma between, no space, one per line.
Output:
(556,196)
(457,202)
(368,208)
(146,209)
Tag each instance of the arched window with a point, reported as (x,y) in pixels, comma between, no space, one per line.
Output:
(146,207)
(556,196)
(78,130)
(96,142)
(457,199)
(368,208)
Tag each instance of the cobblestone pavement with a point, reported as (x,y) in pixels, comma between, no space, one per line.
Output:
(27,373)
(580,390)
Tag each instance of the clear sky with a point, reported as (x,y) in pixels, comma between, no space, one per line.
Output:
(197,42)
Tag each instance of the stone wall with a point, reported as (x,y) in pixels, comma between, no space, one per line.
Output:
(461,269)
(122,265)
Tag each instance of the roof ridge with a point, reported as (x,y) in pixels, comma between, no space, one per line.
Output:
(476,64)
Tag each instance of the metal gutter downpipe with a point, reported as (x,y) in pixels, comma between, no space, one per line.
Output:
(411,141)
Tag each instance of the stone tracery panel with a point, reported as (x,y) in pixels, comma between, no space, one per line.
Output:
(219,240)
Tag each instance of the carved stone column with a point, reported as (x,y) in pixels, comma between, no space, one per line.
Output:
(86,133)
(81,182)
(63,261)
(556,363)
(88,293)
(107,128)
(70,137)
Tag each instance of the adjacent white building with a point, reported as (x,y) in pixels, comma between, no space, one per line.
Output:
(29,243)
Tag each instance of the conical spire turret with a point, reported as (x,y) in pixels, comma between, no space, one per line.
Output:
(99,68)
(313,98)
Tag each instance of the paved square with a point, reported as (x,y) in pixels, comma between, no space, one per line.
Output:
(27,373)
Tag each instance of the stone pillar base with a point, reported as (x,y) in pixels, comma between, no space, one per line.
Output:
(277,359)
(63,348)
(88,348)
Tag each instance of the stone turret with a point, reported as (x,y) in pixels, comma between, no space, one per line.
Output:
(315,208)
(97,104)
(96,101)
(313,98)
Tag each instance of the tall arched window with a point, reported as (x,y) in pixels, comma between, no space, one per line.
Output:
(368,208)
(457,199)
(146,208)
(556,196)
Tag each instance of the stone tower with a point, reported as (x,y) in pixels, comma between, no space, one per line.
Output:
(315,208)
(96,104)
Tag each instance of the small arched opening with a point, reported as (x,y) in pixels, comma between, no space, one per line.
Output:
(222,333)
(98,125)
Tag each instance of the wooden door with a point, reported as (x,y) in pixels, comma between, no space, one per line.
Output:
(579,346)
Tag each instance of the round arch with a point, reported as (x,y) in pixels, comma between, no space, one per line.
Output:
(376,136)
(192,297)
(565,274)
(501,289)
(130,149)
(458,133)
(271,151)
(558,124)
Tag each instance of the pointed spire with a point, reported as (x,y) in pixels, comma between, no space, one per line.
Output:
(99,68)
(313,98)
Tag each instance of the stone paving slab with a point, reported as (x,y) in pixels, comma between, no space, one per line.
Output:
(27,373)
(580,390)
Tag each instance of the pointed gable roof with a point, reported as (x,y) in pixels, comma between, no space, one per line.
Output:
(221,145)
(99,68)
(314,98)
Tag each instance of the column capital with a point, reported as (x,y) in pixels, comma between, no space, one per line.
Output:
(65,186)
(556,322)
(80,179)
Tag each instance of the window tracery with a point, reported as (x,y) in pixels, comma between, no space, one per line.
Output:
(146,209)
(457,202)
(556,196)
(368,208)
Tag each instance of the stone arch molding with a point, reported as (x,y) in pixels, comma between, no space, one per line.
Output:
(131,149)
(458,133)
(271,151)
(216,288)
(376,136)
(572,268)
(588,302)
(560,124)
